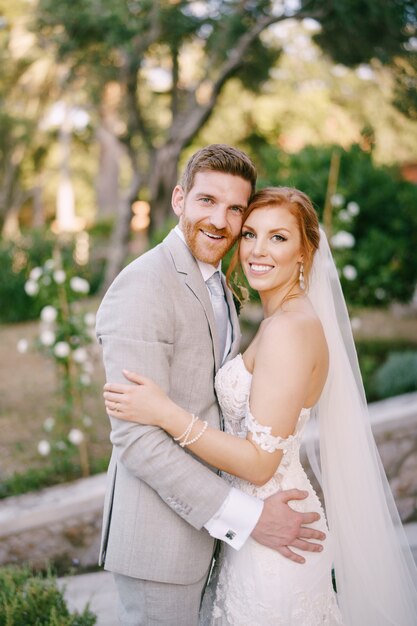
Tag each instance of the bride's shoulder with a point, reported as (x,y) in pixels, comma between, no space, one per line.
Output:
(295,336)
(294,330)
(292,322)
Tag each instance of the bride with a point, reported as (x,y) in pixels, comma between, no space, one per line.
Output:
(300,366)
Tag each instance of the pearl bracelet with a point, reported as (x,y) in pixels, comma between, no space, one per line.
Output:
(196,438)
(187,431)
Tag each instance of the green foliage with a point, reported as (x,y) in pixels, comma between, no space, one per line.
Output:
(397,375)
(27,599)
(373,355)
(62,469)
(17,259)
(23,142)
(384,255)
(159,235)
(355,31)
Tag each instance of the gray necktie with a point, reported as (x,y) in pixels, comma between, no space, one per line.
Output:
(220,308)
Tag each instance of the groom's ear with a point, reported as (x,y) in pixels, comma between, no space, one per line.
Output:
(177,200)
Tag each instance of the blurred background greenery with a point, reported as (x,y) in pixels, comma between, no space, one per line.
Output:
(102,102)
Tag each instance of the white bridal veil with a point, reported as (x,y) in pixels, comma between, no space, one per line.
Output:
(375,573)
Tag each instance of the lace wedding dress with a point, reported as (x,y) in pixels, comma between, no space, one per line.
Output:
(256,586)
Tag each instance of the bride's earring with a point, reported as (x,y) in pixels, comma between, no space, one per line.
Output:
(301,277)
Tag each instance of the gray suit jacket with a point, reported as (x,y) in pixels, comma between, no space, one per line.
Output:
(156,319)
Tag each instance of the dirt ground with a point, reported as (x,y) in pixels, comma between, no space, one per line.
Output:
(27,389)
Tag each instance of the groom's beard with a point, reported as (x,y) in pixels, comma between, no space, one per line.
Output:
(202,246)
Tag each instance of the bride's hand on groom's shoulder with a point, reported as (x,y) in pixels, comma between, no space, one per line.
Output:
(281,528)
(144,402)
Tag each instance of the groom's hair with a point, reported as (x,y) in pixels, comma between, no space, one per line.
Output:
(219,158)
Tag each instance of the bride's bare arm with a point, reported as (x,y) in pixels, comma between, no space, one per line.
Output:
(282,371)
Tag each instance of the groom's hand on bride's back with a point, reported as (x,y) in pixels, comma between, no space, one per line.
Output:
(281,528)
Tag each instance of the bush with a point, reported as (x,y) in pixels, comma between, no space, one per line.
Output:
(397,375)
(373,354)
(17,259)
(17,305)
(27,599)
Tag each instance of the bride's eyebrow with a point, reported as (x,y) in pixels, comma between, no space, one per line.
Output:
(279,229)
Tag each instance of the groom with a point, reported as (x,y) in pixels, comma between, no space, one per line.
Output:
(163,507)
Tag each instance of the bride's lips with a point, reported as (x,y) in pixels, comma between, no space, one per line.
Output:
(259,269)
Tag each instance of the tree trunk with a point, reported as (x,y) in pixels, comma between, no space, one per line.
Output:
(111,151)
(11,228)
(107,180)
(66,220)
(119,240)
(38,213)
(163,178)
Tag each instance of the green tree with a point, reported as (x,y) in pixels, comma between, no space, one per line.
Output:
(26,82)
(198,48)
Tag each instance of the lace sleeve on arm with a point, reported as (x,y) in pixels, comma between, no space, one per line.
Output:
(262,435)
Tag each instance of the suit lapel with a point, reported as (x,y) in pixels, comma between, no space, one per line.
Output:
(185,264)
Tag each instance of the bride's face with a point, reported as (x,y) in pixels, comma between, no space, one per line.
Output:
(270,248)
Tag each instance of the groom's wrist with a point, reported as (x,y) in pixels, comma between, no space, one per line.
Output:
(235,519)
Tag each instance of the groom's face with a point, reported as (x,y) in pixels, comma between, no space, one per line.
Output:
(211,213)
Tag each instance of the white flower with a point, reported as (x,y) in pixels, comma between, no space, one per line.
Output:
(31,288)
(380,293)
(90,319)
(356,323)
(47,338)
(80,355)
(85,379)
(353,208)
(22,346)
(350,272)
(49,314)
(337,200)
(88,367)
(44,447)
(79,285)
(59,276)
(344,216)
(62,349)
(75,436)
(48,424)
(343,239)
(35,273)
(49,264)
(87,421)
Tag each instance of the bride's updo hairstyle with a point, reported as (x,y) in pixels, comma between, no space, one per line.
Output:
(299,205)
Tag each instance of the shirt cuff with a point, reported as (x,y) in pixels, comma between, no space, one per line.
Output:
(235,519)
